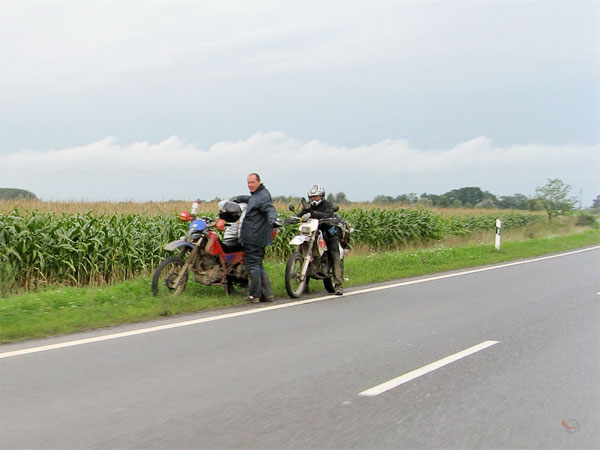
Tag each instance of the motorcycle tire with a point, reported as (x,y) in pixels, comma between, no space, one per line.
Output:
(293,266)
(329,285)
(164,277)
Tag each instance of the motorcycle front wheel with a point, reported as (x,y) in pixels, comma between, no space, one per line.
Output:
(293,269)
(163,280)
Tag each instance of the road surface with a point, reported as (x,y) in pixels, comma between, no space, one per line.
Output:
(505,356)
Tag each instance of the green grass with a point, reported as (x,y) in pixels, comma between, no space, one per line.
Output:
(60,310)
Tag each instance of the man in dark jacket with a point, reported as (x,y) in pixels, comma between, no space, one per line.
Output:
(319,208)
(259,221)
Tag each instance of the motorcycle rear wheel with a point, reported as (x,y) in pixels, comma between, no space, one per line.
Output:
(293,267)
(163,279)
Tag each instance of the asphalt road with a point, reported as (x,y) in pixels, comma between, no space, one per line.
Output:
(295,375)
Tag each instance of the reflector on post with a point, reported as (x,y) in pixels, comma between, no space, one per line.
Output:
(498,232)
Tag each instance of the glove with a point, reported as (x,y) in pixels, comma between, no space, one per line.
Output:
(276,224)
(305,217)
(241,199)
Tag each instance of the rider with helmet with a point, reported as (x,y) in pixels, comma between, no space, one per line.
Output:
(319,208)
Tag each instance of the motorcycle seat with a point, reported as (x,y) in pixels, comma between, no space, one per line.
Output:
(231,246)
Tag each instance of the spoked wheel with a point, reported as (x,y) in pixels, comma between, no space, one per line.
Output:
(293,268)
(163,280)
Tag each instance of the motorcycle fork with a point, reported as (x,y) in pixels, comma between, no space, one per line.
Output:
(188,262)
(307,259)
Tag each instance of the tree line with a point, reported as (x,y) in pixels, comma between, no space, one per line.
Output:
(554,195)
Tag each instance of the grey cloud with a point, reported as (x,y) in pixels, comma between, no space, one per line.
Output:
(173,168)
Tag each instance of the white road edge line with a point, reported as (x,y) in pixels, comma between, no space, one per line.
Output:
(394,383)
(185,323)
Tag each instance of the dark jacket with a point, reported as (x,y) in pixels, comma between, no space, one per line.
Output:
(323,210)
(259,220)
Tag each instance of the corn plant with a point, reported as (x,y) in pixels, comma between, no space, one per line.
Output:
(39,248)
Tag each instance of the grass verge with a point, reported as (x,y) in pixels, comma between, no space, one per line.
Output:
(61,310)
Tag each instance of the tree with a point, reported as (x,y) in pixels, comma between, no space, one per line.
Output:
(402,199)
(428,199)
(517,201)
(443,201)
(341,198)
(381,199)
(554,197)
(16,194)
(596,203)
(470,195)
(485,203)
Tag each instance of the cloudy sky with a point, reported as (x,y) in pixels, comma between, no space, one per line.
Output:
(156,100)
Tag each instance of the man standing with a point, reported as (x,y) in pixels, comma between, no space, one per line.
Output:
(259,220)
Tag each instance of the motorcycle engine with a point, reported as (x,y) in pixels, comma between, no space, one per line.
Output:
(240,273)
(207,270)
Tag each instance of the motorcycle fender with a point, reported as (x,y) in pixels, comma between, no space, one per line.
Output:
(321,245)
(298,240)
(176,244)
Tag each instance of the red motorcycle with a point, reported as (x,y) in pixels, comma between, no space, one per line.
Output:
(201,252)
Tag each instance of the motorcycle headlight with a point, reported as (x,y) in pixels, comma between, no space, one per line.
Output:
(194,235)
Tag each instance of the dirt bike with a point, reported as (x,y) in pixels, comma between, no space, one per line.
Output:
(201,252)
(310,258)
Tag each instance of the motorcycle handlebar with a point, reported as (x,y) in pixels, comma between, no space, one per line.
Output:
(291,220)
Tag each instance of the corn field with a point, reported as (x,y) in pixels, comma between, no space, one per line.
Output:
(46,248)
(80,249)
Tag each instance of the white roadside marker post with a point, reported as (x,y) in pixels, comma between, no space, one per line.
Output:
(498,231)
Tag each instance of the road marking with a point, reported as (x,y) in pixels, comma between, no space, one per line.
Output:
(185,323)
(394,383)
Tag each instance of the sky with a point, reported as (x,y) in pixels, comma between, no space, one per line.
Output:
(146,100)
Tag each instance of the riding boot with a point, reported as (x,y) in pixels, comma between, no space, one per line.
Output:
(267,290)
(338,273)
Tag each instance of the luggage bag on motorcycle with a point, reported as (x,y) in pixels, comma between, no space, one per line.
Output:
(229,211)
(344,231)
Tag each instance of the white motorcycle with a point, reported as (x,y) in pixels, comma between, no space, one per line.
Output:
(311,259)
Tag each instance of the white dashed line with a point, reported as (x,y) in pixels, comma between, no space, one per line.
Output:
(394,383)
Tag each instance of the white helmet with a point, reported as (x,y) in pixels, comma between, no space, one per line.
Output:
(316,190)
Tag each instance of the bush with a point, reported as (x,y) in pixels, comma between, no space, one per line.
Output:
(586,220)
